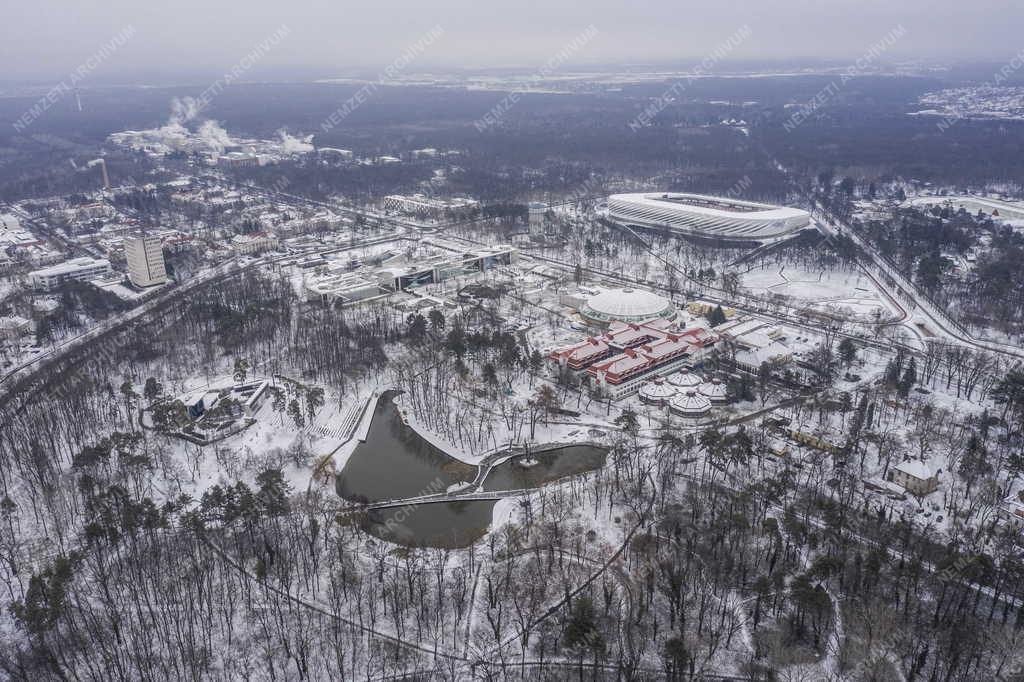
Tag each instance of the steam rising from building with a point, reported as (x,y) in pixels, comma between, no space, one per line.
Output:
(215,137)
(295,145)
(187,131)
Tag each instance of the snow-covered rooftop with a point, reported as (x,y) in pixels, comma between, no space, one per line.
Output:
(916,469)
(629,305)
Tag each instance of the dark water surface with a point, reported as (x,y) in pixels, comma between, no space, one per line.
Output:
(395,462)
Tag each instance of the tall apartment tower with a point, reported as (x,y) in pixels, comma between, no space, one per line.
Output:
(145,261)
(537,212)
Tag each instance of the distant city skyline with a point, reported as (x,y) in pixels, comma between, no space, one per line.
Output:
(52,38)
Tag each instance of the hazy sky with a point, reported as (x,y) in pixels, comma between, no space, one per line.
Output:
(48,39)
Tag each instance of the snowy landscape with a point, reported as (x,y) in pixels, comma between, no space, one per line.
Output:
(494,362)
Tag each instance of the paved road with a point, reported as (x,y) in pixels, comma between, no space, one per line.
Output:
(13,378)
(831,226)
(782,319)
(922,305)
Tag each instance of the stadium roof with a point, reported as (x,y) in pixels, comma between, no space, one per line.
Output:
(714,207)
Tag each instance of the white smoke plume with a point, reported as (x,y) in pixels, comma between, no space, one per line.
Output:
(295,145)
(215,137)
(176,134)
(183,110)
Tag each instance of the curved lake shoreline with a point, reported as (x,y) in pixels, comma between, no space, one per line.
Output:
(396,462)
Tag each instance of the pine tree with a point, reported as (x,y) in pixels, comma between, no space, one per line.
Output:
(909,378)
(295,412)
(716,316)
(847,351)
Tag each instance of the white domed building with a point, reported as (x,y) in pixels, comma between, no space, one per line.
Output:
(715,391)
(690,404)
(656,392)
(626,305)
(685,381)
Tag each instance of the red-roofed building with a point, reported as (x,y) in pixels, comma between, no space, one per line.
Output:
(629,353)
(631,335)
(581,355)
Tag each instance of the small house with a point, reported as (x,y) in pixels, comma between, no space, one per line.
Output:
(915,477)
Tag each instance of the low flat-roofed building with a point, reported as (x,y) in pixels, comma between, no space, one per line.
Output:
(1012,512)
(22,238)
(9,222)
(756,342)
(14,327)
(399,272)
(257,242)
(336,152)
(576,297)
(238,160)
(422,204)
(337,284)
(80,269)
(704,308)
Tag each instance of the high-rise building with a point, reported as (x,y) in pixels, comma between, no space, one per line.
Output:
(145,259)
(538,213)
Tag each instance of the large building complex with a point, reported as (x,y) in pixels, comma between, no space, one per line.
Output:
(348,282)
(257,242)
(707,217)
(755,342)
(336,283)
(992,207)
(420,204)
(145,258)
(14,326)
(622,359)
(400,272)
(79,269)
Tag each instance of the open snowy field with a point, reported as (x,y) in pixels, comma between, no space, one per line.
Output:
(848,293)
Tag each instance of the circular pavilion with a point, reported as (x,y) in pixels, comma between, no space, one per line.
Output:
(690,404)
(656,392)
(626,305)
(715,391)
(685,381)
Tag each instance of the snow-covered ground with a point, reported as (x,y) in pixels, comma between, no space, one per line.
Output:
(841,291)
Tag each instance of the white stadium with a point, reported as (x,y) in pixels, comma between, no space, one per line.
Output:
(708,217)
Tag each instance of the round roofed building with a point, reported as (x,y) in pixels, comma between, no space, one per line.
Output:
(715,391)
(690,404)
(656,392)
(686,381)
(627,305)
